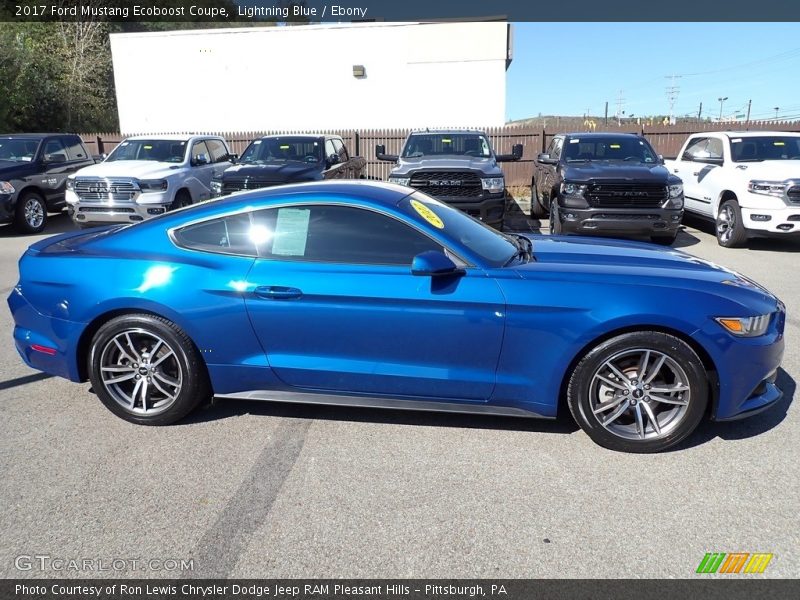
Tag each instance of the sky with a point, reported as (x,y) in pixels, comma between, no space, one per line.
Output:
(567,68)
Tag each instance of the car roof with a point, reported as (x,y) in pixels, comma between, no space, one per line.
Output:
(754,133)
(179,137)
(311,136)
(35,136)
(448,131)
(599,134)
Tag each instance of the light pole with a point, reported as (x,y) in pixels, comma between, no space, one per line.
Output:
(776,109)
(721,100)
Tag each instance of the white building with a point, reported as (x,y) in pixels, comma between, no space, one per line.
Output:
(315,77)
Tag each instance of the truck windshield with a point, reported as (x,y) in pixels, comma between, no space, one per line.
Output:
(768,147)
(490,245)
(449,144)
(18,149)
(629,149)
(172,151)
(282,149)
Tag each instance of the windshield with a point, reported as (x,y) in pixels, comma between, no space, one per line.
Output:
(171,151)
(631,149)
(283,149)
(449,144)
(768,147)
(490,245)
(18,149)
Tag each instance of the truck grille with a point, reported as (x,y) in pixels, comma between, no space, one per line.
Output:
(447,184)
(626,195)
(98,190)
(236,184)
(793,193)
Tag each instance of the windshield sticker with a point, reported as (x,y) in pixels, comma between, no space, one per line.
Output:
(574,141)
(447,141)
(256,143)
(736,141)
(291,232)
(778,143)
(427,214)
(284,146)
(615,146)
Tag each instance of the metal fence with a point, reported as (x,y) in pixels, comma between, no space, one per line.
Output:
(666,139)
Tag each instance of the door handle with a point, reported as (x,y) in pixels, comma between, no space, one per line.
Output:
(696,173)
(676,170)
(275,292)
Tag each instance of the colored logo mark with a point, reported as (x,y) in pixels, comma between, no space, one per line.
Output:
(734,563)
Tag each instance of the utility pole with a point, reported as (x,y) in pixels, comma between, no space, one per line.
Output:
(721,100)
(605,121)
(749,104)
(699,111)
(620,104)
(776,109)
(672,94)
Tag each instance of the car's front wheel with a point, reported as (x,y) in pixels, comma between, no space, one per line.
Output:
(639,392)
(146,370)
(555,218)
(31,215)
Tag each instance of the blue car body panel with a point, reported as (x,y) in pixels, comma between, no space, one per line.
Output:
(495,336)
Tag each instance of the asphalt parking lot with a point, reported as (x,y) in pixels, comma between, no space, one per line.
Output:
(258,490)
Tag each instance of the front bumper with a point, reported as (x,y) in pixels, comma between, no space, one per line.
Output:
(7,208)
(105,212)
(779,220)
(621,221)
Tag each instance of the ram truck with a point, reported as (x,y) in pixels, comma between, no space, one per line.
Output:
(145,176)
(747,183)
(33,173)
(456,167)
(278,159)
(607,184)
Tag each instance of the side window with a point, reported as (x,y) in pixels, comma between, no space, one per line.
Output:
(714,148)
(218,151)
(337,234)
(551,147)
(54,151)
(200,153)
(556,152)
(75,149)
(329,148)
(226,235)
(698,149)
(340,150)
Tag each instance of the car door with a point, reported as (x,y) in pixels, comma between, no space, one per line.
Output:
(547,176)
(201,171)
(336,308)
(220,157)
(693,167)
(56,167)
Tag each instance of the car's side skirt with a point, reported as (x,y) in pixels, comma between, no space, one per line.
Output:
(378,402)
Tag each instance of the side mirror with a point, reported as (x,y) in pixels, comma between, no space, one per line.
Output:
(434,264)
(545,159)
(516,154)
(380,154)
(55,158)
(333,159)
(200,159)
(233,157)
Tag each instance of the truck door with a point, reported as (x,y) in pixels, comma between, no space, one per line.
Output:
(56,166)
(700,158)
(202,169)
(547,173)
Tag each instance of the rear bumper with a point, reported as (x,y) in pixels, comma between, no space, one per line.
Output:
(621,221)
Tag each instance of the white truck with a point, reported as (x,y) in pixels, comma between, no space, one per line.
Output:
(146,176)
(748,183)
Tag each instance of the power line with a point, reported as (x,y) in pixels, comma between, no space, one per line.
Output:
(672,94)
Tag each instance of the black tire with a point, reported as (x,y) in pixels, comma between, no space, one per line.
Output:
(664,240)
(537,210)
(728,225)
(555,220)
(182,198)
(632,429)
(175,360)
(31,213)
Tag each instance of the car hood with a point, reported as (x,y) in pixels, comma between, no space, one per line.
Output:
(10,168)
(487,166)
(143,169)
(615,171)
(275,171)
(775,170)
(627,262)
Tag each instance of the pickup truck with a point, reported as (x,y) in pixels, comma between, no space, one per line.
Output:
(33,173)
(146,176)
(606,184)
(457,167)
(747,182)
(278,159)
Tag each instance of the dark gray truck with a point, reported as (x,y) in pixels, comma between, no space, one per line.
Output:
(457,167)
(33,172)
(607,184)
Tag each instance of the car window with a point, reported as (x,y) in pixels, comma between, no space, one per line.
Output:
(75,149)
(337,234)
(703,148)
(226,235)
(329,149)
(18,149)
(54,150)
(200,152)
(340,150)
(556,151)
(218,151)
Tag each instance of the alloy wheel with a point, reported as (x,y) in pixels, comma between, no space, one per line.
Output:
(34,213)
(726,223)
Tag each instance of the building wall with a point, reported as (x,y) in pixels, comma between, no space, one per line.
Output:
(417,75)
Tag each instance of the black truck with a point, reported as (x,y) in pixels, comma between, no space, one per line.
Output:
(606,184)
(457,167)
(33,175)
(278,159)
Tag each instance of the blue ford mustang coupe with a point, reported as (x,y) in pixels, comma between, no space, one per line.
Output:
(366,294)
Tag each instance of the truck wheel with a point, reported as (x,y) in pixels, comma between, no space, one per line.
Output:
(555,221)
(537,210)
(182,198)
(31,213)
(730,230)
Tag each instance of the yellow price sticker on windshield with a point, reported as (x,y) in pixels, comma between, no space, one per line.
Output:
(615,146)
(427,214)
(778,143)
(284,147)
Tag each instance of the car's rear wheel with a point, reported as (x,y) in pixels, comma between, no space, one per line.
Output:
(729,226)
(146,370)
(639,392)
(31,214)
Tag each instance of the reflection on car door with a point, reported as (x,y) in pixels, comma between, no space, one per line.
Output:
(336,308)
(202,170)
